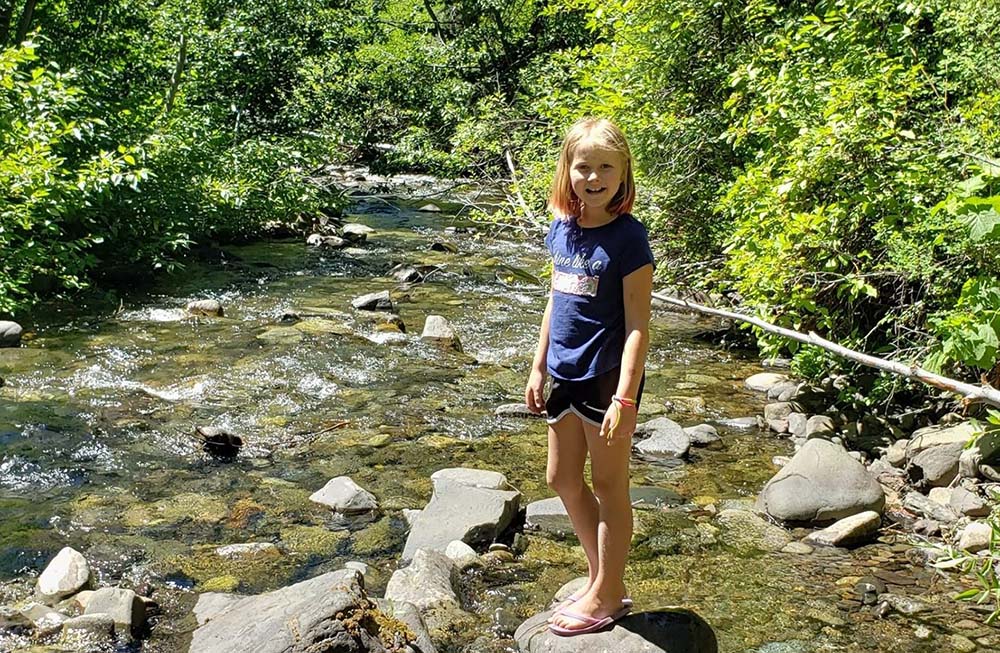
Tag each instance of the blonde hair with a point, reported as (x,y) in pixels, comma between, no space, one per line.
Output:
(563,202)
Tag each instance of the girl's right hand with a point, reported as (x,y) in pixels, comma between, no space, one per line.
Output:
(533,392)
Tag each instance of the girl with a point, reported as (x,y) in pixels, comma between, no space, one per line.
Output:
(593,342)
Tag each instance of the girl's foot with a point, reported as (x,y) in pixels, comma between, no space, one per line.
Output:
(591,607)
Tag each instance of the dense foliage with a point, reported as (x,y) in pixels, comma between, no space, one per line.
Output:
(829,165)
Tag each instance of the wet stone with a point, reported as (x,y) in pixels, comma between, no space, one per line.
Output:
(893,577)
(962,644)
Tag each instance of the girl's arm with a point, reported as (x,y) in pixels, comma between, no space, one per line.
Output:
(637,290)
(536,379)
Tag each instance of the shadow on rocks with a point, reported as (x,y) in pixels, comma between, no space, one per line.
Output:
(667,630)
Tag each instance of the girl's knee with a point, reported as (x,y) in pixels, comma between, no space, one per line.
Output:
(609,488)
(564,484)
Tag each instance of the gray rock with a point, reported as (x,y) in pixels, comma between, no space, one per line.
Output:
(797,424)
(430,208)
(44,619)
(968,463)
(245,549)
(409,615)
(66,574)
(325,242)
(653,498)
(778,389)
(847,531)
(516,410)
(309,616)
(89,632)
(345,496)
(457,511)
(820,426)
(123,606)
(355,233)
(779,410)
(746,532)
(429,582)
(922,505)
(903,604)
(438,330)
(10,333)
(797,548)
(968,503)
(662,437)
(778,425)
(463,555)
(932,436)
(702,434)
(212,604)
(549,516)
(685,404)
(668,630)
(821,483)
(764,381)
(374,301)
(481,478)
(12,618)
(976,537)
(205,307)
(895,455)
(937,465)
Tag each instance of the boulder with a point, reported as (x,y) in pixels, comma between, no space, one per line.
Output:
(847,531)
(10,333)
(124,607)
(374,301)
(345,496)
(662,437)
(66,574)
(668,630)
(975,537)
(797,423)
(702,434)
(325,242)
(466,505)
(936,466)
(89,632)
(968,503)
(762,382)
(327,613)
(549,516)
(429,582)
(355,233)
(933,436)
(463,555)
(438,330)
(821,483)
(205,308)
(820,426)
(895,454)
(747,532)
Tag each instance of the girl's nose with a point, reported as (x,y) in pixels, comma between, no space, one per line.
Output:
(592,175)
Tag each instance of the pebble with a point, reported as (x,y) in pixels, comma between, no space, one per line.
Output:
(922,632)
(799,548)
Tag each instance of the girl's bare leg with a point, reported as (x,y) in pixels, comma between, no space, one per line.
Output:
(609,471)
(564,474)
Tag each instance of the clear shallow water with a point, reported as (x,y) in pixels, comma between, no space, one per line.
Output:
(97,448)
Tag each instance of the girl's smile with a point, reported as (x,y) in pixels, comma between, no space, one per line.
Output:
(596,174)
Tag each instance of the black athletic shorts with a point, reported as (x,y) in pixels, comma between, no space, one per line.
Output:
(588,399)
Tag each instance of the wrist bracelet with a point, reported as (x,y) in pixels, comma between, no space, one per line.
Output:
(624,401)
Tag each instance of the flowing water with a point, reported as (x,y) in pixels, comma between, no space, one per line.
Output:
(98,412)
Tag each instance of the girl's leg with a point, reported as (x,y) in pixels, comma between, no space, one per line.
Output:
(564,474)
(609,471)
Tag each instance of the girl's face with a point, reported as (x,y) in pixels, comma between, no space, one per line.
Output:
(595,174)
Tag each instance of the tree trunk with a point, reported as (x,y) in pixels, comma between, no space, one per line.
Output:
(175,78)
(971,394)
(6,11)
(25,25)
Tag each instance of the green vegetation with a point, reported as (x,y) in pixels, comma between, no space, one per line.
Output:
(830,165)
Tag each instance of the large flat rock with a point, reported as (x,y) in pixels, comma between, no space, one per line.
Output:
(671,630)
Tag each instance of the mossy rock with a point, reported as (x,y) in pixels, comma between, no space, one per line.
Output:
(260,569)
(543,549)
(244,512)
(318,327)
(227,583)
(378,538)
(189,506)
(312,540)
(281,335)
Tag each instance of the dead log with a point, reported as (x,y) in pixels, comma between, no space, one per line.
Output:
(970,393)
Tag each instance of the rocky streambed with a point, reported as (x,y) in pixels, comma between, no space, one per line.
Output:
(326,364)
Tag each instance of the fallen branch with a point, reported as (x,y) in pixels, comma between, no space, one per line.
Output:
(970,393)
(517,191)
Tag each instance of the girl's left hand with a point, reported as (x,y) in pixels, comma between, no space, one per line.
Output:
(621,419)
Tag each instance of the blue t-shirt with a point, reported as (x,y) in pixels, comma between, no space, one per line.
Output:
(587,323)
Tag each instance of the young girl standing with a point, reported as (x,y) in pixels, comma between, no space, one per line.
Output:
(593,343)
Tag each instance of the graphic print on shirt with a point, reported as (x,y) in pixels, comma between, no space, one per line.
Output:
(584,278)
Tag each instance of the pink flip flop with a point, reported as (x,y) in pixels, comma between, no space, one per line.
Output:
(593,624)
(573,598)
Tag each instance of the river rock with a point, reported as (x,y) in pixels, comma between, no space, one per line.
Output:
(325,242)
(374,301)
(820,426)
(968,463)
(409,615)
(895,454)
(246,549)
(345,496)
(67,574)
(923,505)
(430,208)
(797,424)
(702,434)
(89,632)
(124,607)
(322,613)
(778,389)
(933,436)
(746,532)
(205,307)
(936,466)
(847,531)
(763,381)
(549,516)
(461,508)
(975,537)
(438,330)
(10,333)
(662,437)
(968,503)
(821,483)
(355,233)
(903,604)
(669,630)
(463,555)
(430,581)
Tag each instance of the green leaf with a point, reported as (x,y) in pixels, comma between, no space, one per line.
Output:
(981,223)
